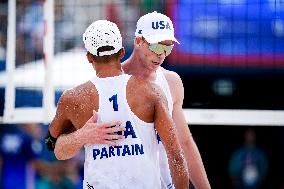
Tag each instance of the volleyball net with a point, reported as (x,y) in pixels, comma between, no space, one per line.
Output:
(45,53)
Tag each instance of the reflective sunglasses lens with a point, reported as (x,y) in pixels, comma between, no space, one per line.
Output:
(159,48)
(156,48)
(168,49)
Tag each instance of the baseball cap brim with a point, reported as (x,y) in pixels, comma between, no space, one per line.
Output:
(159,38)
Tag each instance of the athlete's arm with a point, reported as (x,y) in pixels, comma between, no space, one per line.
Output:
(68,144)
(167,132)
(195,165)
(60,123)
(59,127)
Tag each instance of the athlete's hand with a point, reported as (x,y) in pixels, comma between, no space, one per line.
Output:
(100,133)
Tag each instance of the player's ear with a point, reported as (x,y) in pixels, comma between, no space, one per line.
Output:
(121,53)
(138,41)
(89,57)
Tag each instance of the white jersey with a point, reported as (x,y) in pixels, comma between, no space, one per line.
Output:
(132,164)
(166,179)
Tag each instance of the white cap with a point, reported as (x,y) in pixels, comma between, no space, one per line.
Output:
(102,33)
(155,27)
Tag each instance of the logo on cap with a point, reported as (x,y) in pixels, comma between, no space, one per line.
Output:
(160,25)
(155,27)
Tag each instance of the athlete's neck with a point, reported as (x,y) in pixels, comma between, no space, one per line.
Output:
(133,66)
(109,69)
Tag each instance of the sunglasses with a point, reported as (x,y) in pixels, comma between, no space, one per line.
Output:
(160,48)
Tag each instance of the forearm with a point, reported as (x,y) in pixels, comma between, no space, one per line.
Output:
(68,145)
(179,171)
(195,165)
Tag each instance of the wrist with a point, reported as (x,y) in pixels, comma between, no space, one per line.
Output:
(78,136)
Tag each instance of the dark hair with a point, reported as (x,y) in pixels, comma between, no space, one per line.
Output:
(105,58)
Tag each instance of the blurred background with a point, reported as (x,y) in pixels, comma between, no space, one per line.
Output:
(231,58)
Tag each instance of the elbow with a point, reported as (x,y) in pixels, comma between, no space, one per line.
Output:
(59,157)
(59,154)
(185,144)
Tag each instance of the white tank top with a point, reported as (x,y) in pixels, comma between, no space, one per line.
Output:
(132,164)
(166,179)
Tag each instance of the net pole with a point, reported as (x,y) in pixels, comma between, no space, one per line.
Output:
(48,48)
(10,62)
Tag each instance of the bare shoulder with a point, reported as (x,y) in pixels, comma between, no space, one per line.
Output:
(77,98)
(176,85)
(143,97)
(77,93)
(74,108)
(172,77)
(150,89)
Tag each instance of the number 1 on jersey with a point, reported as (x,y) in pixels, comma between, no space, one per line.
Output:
(114,104)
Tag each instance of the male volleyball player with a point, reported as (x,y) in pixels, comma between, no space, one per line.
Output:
(154,40)
(132,160)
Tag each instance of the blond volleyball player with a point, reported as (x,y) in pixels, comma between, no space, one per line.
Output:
(118,154)
(154,40)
